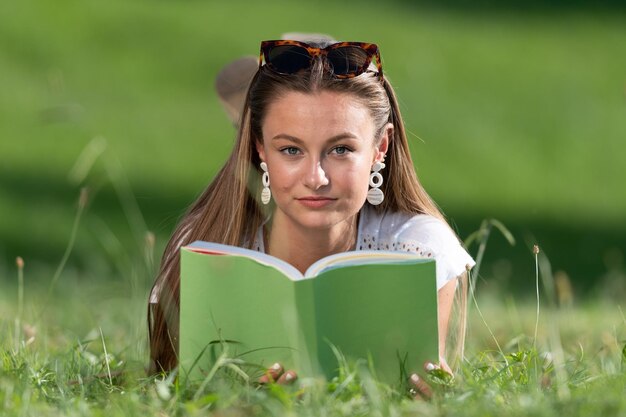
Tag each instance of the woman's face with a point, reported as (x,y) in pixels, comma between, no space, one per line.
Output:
(319,149)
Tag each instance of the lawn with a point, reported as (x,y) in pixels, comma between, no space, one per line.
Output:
(518,116)
(81,350)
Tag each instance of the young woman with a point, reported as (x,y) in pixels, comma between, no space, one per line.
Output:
(321,165)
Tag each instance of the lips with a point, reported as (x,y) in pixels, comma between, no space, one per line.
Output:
(316,201)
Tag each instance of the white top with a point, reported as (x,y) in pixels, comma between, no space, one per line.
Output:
(422,234)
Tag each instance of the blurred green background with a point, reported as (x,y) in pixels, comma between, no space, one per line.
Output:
(516,113)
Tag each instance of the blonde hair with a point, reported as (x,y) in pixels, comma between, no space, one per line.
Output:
(228,211)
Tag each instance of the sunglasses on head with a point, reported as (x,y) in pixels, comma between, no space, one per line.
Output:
(343,59)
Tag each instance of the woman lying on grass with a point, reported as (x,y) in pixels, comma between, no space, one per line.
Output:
(322,136)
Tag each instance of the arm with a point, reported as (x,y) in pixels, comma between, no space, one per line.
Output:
(453,289)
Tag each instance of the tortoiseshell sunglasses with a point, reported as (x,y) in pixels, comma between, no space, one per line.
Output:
(343,59)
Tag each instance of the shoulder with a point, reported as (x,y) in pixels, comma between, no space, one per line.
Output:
(399,226)
(422,234)
(430,230)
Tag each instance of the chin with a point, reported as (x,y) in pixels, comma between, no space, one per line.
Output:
(321,220)
(317,222)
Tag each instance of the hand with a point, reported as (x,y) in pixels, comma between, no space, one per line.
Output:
(420,390)
(276,374)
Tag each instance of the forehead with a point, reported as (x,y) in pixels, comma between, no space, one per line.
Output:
(320,114)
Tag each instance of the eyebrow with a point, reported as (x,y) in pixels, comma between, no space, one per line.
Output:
(333,139)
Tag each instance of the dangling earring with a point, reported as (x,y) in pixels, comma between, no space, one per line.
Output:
(266,194)
(375,195)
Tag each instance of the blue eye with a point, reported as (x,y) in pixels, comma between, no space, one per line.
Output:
(341,150)
(291,150)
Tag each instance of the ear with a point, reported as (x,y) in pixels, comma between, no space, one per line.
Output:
(383,143)
(260,150)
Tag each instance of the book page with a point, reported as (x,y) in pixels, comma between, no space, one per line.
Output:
(212,248)
(360,257)
(338,260)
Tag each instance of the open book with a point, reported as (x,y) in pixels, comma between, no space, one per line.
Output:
(377,305)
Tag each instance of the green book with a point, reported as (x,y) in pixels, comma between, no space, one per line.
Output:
(380,306)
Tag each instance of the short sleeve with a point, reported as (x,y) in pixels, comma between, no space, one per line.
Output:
(435,239)
(422,234)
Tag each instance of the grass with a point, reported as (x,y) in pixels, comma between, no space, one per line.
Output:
(86,356)
(77,346)
(526,99)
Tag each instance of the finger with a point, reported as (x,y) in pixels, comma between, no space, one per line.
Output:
(441,370)
(420,389)
(287,378)
(429,367)
(272,374)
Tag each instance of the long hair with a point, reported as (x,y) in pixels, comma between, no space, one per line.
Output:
(228,211)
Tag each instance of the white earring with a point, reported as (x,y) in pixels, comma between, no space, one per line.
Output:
(266,194)
(375,195)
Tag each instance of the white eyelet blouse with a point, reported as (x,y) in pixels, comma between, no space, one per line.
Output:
(422,234)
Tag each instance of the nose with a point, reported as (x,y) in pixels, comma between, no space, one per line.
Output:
(315,177)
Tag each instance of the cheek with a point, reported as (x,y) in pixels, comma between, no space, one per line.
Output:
(283,176)
(354,178)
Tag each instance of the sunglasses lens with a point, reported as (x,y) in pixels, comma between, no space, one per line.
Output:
(348,60)
(288,59)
